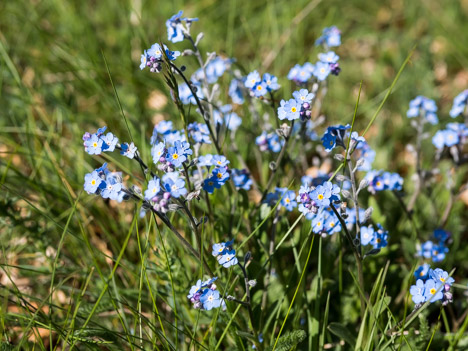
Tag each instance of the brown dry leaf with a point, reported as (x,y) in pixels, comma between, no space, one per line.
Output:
(464,197)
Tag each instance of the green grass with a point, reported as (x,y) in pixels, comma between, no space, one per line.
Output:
(80,271)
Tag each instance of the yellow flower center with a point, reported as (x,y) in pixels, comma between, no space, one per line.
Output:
(293,109)
(210,298)
(259,87)
(253,81)
(421,274)
(154,190)
(93,182)
(94,144)
(432,291)
(210,184)
(219,162)
(378,183)
(319,224)
(175,156)
(322,70)
(219,175)
(174,187)
(442,279)
(332,224)
(288,201)
(320,197)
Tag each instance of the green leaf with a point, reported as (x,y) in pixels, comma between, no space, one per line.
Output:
(342,332)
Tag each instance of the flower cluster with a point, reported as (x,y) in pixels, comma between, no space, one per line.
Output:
(153,57)
(433,286)
(376,238)
(327,63)
(379,180)
(435,249)
(297,107)
(459,104)
(287,197)
(424,107)
(205,296)
(241,179)
(312,199)
(455,134)
(225,254)
(175,27)
(96,143)
(105,183)
(220,173)
(334,135)
(325,222)
(260,86)
(269,141)
(331,36)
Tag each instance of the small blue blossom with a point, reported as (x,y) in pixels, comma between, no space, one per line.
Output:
(459,104)
(174,184)
(334,135)
(232,121)
(111,187)
(367,235)
(271,82)
(109,142)
(301,74)
(186,96)
(235,91)
(154,186)
(329,57)
(259,89)
(424,106)
(175,155)
(92,182)
(322,70)
(221,248)
(158,151)
(303,95)
(380,238)
(441,276)
(422,272)
(210,299)
(288,200)
(144,60)
(214,70)
(228,259)
(433,291)
(210,184)
(128,150)
(199,133)
(221,174)
(241,179)
(175,29)
(252,79)
(418,292)
(220,161)
(206,160)
(331,36)
(289,110)
(93,145)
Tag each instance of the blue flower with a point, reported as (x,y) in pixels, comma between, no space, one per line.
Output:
(175,28)
(228,259)
(144,60)
(301,74)
(220,161)
(206,160)
(317,223)
(459,104)
(153,188)
(252,79)
(221,174)
(331,36)
(441,276)
(367,235)
(441,235)
(111,187)
(289,200)
(214,69)
(332,224)
(241,179)
(109,142)
(92,182)
(321,196)
(232,121)
(221,248)
(175,155)
(93,145)
(418,292)
(380,238)
(322,70)
(186,96)
(211,184)
(303,95)
(333,136)
(259,89)
(274,142)
(422,272)
(199,133)
(128,150)
(174,184)
(290,110)
(195,289)
(235,91)
(271,82)
(426,107)
(210,299)
(329,57)
(433,291)
(158,151)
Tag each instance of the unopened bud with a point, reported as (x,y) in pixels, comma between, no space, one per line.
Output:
(252,283)
(339,157)
(368,214)
(363,184)
(346,194)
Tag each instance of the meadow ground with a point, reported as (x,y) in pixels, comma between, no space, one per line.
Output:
(77,271)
